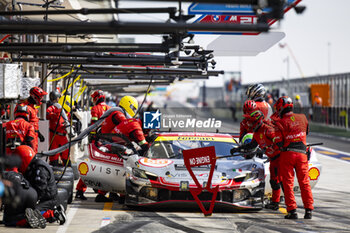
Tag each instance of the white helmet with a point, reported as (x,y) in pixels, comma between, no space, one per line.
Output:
(256,92)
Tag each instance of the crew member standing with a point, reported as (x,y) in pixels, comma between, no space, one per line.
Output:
(19,131)
(269,138)
(100,107)
(58,122)
(36,95)
(294,128)
(257,93)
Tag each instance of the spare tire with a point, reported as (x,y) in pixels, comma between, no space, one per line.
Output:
(66,176)
(61,168)
(62,197)
(67,185)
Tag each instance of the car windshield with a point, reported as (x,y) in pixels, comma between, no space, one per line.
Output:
(173,148)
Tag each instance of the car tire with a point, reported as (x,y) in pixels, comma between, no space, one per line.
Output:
(67,185)
(62,197)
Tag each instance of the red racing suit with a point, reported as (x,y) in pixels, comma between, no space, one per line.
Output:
(19,131)
(268,136)
(244,129)
(34,120)
(58,133)
(113,120)
(265,108)
(294,128)
(133,130)
(98,110)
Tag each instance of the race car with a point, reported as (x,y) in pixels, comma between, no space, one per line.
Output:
(161,178)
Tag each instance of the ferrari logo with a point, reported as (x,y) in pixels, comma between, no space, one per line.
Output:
(261,136)
(292,118)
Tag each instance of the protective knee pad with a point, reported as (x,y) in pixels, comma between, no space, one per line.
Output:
(275,185)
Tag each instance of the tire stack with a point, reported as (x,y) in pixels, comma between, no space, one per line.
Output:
(65,185)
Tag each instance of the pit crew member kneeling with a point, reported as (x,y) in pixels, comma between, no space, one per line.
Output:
(41,178)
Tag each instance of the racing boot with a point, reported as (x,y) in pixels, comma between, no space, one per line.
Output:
(31,218)
(291,215)
(102,198)
(42,220)
(59,214)
(272,206)
(308,214)
(114,196)
(80,195)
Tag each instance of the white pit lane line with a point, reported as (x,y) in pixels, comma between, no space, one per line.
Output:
(70,215)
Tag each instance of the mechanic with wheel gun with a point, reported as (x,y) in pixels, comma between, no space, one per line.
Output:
(268,137)
(100,107)
(294,128)
(36,95)
(58,127)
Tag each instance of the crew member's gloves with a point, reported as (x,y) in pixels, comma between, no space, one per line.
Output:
(41,137)
(259,153)
(70,131)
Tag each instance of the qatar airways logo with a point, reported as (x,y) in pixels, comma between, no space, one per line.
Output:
(155,120)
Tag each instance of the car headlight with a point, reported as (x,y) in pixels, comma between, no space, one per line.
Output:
(137,172)
(251,176)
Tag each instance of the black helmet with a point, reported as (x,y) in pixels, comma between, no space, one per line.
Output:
(54,95)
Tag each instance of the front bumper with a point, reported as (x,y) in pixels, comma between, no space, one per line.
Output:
(243,198)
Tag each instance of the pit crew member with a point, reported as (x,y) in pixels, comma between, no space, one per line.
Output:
(294,128)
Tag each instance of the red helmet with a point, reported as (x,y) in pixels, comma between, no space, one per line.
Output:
(284,104)
(249,106)
(26,153)
(22,111)
(37,94)
(96,95)
(254,119)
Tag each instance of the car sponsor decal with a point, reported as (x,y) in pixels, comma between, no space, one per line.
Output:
(192,138)
(314,173)
(83,168)
(96,154)
(155,162)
